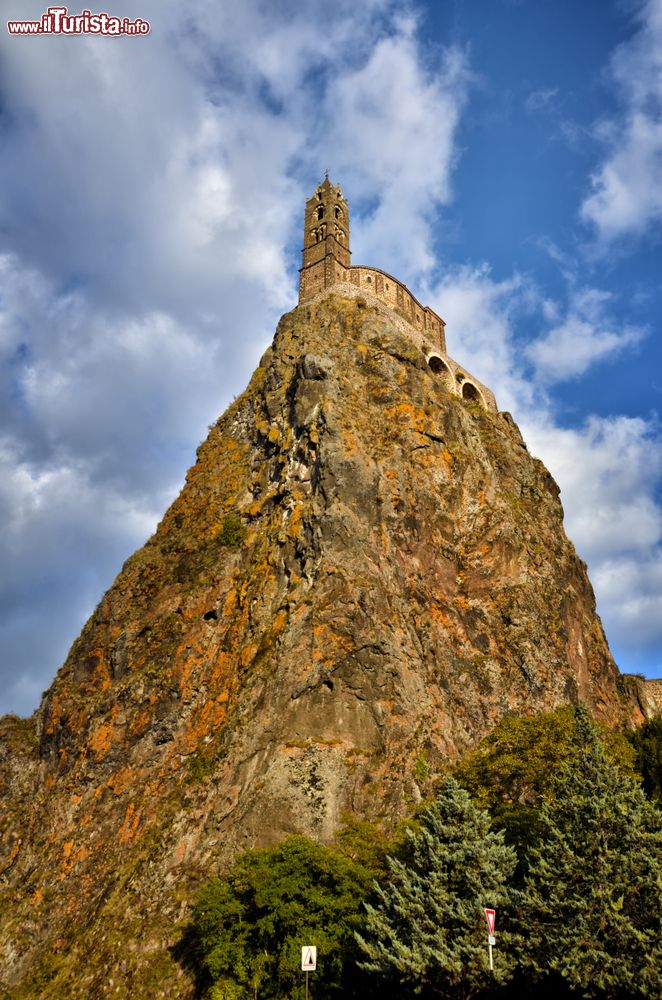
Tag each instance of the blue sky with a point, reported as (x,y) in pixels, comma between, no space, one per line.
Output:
(503,157)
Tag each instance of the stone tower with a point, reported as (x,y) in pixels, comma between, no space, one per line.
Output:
(326,256)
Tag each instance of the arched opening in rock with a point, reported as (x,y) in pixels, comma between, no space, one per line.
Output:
(211,616)
(328,684)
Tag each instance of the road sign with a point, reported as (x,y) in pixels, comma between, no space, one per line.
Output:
(491,940)
(308,958)
(490,916)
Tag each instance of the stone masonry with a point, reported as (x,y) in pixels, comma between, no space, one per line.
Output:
(326,264)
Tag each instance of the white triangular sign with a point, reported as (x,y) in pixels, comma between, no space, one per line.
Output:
(490,916)
(309,958)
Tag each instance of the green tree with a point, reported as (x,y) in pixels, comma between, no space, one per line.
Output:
(513,770)
(590,908)
(426,930)
(647,743)
(249,927)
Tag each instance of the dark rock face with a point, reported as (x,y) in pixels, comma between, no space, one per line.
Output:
(362,574)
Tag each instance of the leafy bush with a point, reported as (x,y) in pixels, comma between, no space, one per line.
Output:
(201,765)
(249,927)
(513,770)
(232,532)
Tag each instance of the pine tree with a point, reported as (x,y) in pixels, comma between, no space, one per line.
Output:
(426,930)
(591,904)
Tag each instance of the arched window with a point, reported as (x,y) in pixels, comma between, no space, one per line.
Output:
(320,212)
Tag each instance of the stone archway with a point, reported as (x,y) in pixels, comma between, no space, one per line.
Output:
(437,365)
(470,392)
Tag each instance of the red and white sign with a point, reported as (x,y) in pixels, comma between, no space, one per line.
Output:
(308,958)
(490,916)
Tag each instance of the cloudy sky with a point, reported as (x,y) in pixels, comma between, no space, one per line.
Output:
(503,157)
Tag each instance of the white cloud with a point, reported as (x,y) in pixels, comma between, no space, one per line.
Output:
(393,136)
(480,314)
(63,539)
(631,590)
(587,333)
(541,100)
(610,472)
(609,469)
(626,189)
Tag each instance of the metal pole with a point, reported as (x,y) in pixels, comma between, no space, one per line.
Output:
(491,963)
(306,984)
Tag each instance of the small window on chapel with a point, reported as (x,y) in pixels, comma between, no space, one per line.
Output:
(320,212)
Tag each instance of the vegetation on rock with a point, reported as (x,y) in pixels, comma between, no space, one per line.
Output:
(232,532)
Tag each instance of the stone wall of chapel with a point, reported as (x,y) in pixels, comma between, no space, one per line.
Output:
(396,295)
(653,688)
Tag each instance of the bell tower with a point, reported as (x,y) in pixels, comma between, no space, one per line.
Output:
(326,256)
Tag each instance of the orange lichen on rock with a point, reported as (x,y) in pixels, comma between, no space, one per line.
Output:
(103,733)
(130,826)
(123,779)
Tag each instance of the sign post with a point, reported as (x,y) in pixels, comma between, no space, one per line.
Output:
(490,916)
(308,962)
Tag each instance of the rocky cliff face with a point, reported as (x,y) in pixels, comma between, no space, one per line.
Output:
(361,575)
